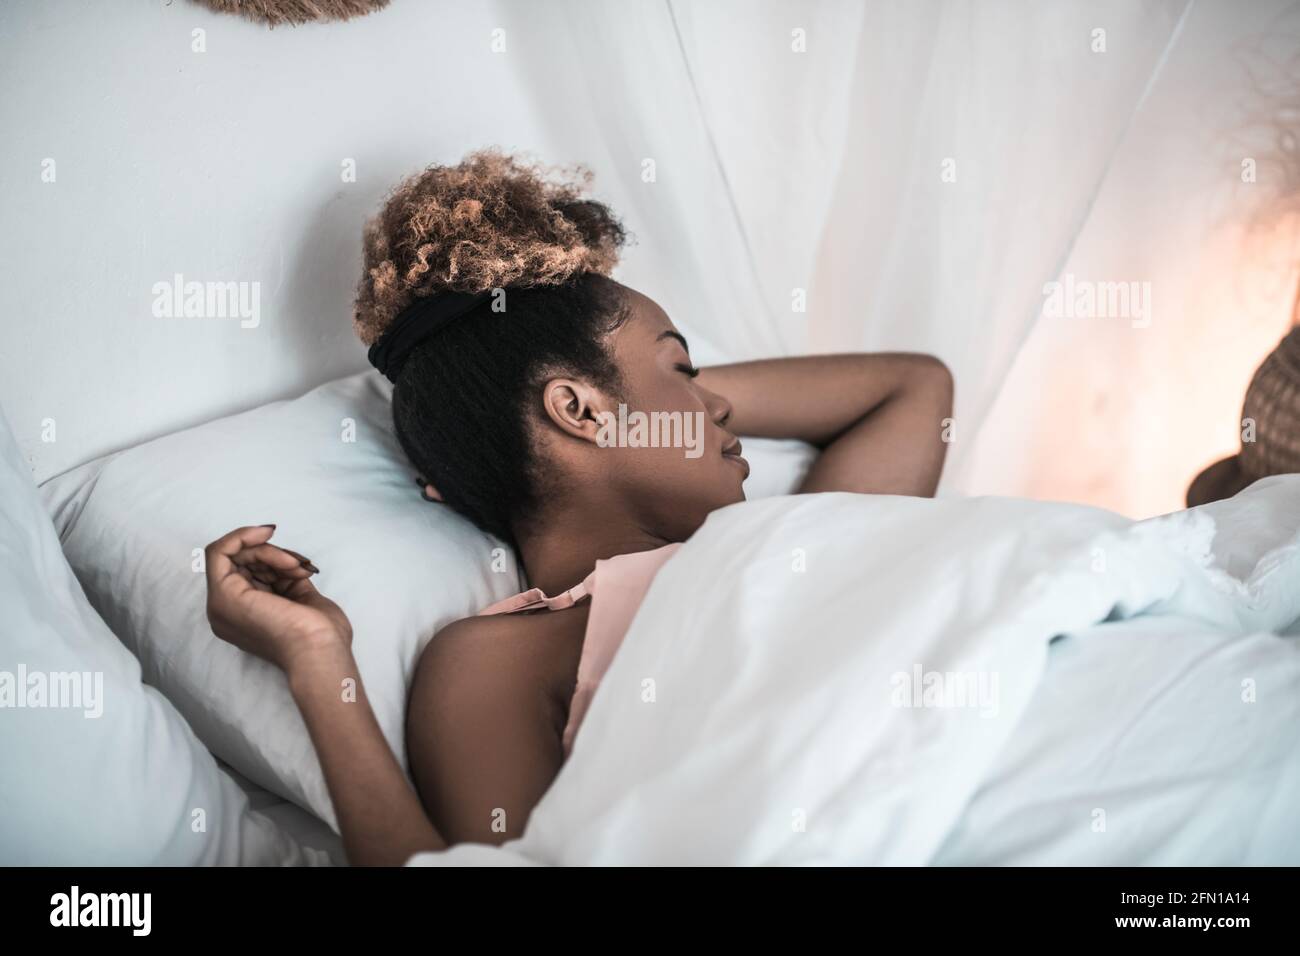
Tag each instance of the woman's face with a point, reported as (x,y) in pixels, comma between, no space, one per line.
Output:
(669,451)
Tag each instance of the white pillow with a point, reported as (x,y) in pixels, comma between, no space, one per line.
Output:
(327,470)
(113,775)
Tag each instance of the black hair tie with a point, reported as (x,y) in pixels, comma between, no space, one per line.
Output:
(419,320)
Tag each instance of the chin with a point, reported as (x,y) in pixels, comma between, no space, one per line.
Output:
(733,496)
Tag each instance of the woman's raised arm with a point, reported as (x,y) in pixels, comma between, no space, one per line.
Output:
(877,418)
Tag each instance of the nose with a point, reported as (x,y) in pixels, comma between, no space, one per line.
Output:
(718,407)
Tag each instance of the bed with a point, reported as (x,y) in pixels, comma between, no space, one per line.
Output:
(811,680)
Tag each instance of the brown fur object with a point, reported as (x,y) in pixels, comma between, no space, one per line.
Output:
(490,222)
(275,12)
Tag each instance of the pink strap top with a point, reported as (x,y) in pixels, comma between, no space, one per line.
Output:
(616,587)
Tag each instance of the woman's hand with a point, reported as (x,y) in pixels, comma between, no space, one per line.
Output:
(261,599)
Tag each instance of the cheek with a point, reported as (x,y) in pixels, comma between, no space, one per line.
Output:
(694,474)
(688,472)
(673,411)
(662,390)
(665,474)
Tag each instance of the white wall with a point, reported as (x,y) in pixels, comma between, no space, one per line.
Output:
(222,165)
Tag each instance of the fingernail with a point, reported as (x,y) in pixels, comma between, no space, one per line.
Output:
(271,526)
(309,566)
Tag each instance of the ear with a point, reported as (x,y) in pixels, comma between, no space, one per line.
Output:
(574,407)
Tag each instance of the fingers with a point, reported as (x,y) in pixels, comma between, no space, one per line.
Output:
(262,578)
(243,558)
(279,559)
(242,563)
(217,555)
(305,562)
(253,581)
(299,589)
(269,568)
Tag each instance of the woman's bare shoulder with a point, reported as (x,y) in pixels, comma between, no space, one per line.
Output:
(527,662)
(485,717)
(543,644)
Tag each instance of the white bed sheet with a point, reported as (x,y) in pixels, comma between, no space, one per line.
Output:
(304,826)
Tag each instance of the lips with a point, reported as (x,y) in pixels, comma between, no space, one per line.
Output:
(731,452)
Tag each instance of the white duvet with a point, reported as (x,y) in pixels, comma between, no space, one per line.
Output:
(875,680)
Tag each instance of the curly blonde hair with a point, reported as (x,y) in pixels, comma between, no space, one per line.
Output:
(491,221)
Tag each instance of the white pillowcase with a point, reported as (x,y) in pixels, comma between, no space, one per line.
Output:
(328,471)
(111,776)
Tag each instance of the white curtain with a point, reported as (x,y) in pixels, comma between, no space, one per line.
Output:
(914,172)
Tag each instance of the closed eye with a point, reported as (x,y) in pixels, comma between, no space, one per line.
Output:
(690,371)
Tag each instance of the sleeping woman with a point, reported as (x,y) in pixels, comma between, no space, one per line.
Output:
(486,299)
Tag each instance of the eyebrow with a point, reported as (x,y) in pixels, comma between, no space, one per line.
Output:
(674,335)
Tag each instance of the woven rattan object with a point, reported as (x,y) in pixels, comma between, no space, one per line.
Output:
(275,12)
(1272,406)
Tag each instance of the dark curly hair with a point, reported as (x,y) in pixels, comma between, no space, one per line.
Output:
(462,405)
